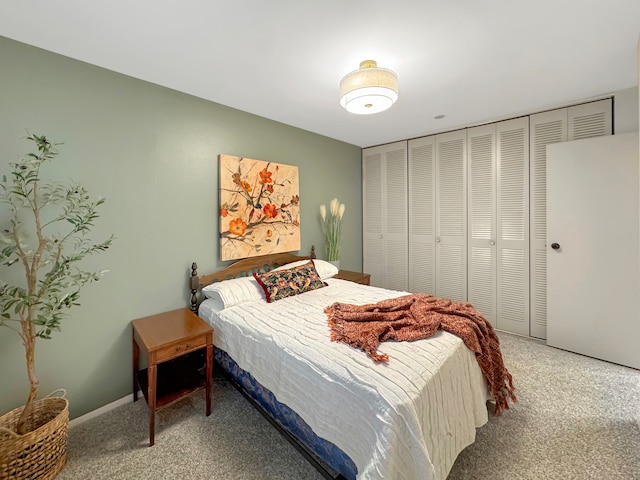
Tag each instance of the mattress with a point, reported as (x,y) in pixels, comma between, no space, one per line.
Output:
(325,455)
(408,419)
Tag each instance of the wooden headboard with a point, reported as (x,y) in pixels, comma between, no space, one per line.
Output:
(241,268)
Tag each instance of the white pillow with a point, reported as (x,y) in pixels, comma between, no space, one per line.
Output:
(246,289)
(324,268)
(234,291)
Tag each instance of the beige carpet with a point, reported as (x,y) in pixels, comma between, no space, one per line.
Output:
(577,418)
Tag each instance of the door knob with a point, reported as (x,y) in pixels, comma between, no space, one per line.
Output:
(555,246)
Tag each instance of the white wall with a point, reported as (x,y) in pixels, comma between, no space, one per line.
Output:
(625,111)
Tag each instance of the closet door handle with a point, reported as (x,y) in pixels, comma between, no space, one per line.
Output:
(437,239)
(492,242)
(555,246)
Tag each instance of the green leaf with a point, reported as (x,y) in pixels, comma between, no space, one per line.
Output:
(59,276)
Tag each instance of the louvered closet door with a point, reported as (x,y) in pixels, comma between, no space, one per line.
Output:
(396,220)
(372,219)
(451,216)
(592,119)
(589,120)
(481,285)
(422,229)
(545,128)
(513,225)
(384,199)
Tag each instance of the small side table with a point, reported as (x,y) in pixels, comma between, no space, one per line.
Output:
(357,277)
(163,337)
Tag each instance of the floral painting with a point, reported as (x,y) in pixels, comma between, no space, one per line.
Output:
(259,208)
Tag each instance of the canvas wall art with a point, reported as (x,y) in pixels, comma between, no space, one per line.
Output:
(259,207)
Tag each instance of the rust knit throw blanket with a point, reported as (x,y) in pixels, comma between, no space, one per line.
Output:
(417,316)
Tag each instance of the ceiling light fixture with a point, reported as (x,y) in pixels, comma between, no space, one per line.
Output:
(369,89)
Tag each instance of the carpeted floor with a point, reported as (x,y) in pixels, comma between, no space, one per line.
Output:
(577,418)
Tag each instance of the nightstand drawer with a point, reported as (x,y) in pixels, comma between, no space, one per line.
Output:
(186,346)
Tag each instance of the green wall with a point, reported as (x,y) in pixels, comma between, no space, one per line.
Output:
(153,153)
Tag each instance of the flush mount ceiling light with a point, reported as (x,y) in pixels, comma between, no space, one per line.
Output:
(369,89)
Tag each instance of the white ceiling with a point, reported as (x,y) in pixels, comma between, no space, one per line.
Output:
(471,60)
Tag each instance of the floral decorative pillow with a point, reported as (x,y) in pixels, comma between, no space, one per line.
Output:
(279,284)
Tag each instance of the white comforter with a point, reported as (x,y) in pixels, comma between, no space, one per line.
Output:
(408,419)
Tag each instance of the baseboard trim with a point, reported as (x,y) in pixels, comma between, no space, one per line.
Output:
(99,411)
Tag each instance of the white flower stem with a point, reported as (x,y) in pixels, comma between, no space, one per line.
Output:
(331,226)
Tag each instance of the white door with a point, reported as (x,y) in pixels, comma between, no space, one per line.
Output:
(588,120)
(422,221)
(384,210)
(451,215)
(513,225)
(481,281)
(593,280)
(372,218)
(396,246)
(545,128)
(498,252)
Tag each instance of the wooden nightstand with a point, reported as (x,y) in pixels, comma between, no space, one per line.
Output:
(357,277)
(165,337)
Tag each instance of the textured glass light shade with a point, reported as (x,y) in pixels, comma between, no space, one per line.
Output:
(369,89)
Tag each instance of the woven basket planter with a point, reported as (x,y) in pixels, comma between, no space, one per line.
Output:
(42,452)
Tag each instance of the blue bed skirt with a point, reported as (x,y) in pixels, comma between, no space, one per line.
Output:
(288,419)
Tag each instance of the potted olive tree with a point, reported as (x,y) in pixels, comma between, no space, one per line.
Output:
(43,234)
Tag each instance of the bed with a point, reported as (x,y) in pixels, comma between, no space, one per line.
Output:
(407,419)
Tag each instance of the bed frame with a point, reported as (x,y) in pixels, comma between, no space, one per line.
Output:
(243,268)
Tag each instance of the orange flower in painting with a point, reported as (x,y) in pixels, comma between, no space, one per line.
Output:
(270,188)
(224,212)
(236,178)
(237,227)
(265,176)
(295,200)
(270,211)
(246,187)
